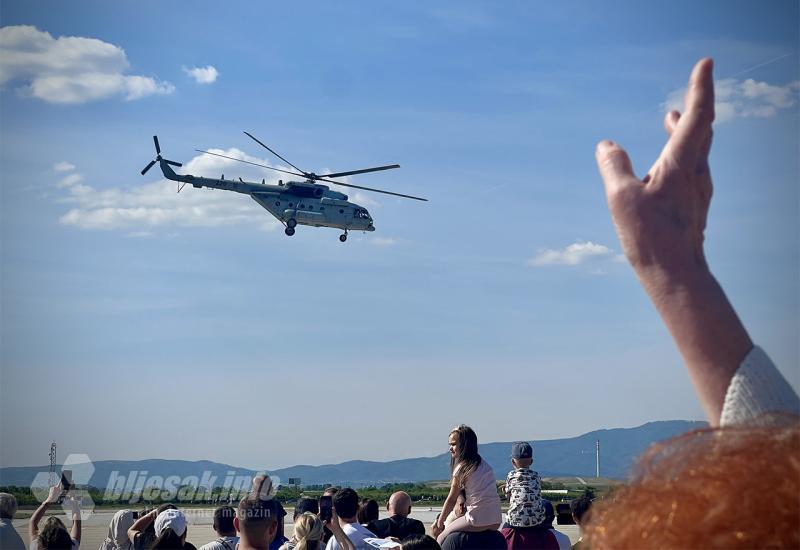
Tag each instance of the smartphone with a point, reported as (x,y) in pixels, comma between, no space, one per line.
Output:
(66,480)
(325,508)
(66,484)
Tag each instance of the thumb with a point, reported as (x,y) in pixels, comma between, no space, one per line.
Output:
(614,165)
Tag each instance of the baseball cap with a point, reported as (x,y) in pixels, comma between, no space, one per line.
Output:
(521,449)
(172,519)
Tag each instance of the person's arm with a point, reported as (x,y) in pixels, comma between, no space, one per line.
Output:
(75,530)
(449,503)
(660,221)
(141,524)
(338,533)
(33,523)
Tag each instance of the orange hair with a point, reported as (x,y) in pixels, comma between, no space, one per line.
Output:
(732,487)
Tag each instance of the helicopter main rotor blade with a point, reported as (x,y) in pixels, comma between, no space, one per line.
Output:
(158,149)
(364,171)
(302,173)
(248,162)
(375,190)
(148,167)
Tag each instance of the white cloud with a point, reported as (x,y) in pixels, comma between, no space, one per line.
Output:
(574,254)
(748,98)
(70,69)
(156,208)
(63,167)
(69,181)
(202,75)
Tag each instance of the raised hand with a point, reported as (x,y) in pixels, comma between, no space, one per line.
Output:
(660,220)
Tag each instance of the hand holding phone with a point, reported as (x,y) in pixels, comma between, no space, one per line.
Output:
(325,508)
(65,484)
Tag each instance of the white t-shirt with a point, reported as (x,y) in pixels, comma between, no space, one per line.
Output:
(229,544)
(356,533)
(35,544)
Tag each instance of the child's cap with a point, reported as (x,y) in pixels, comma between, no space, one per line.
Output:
(521,449)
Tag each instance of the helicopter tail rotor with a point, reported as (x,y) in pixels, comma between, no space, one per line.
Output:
(158,158)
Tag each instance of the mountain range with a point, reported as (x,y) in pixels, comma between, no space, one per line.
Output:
(574,456)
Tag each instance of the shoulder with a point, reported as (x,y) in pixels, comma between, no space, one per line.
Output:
(416,526)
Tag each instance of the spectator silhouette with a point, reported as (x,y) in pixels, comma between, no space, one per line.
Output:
(368,511)
(345,504)
(225,530)
(398,524)
(54,534)
(9,538)
(117,538)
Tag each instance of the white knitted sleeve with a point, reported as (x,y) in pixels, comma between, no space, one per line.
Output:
(756,388)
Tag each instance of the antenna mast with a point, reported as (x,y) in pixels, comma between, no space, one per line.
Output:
(597,458)
(52,463)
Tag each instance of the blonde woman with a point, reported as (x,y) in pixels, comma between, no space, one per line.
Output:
(308,529)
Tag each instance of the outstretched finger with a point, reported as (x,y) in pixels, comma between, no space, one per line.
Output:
(694,126)
(614,166)
(671,121)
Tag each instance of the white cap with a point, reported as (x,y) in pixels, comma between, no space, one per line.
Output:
(172,519)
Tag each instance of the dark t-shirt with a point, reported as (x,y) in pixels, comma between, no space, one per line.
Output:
(9,538)
(481,540)
(530,537)
(396,526)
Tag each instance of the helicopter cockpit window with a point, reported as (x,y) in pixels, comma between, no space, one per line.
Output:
(361,214)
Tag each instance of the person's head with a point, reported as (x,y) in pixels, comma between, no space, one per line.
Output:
(170,526)
(461,503)
(165,507)
(345,502)
(223,521)
(54,535)
(118,527)
(8,506)
(579,508)
(308,531)
(306,504)
(521,454)
(368,511)
(256,521)
(700,490)
(420,542)
(399,504)
(463,445)
(330,491)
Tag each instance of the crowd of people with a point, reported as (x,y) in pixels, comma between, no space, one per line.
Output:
(696,490)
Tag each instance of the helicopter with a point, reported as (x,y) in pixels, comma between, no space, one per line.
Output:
(293,203)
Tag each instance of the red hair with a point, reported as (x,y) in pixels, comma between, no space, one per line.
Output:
(732,487)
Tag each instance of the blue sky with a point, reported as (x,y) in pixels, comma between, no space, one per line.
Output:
(140,323)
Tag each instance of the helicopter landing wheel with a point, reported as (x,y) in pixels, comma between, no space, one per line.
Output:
(343,237)
(289,231)
(291,223)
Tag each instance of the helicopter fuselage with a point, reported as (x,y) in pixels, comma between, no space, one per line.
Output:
(292,203)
